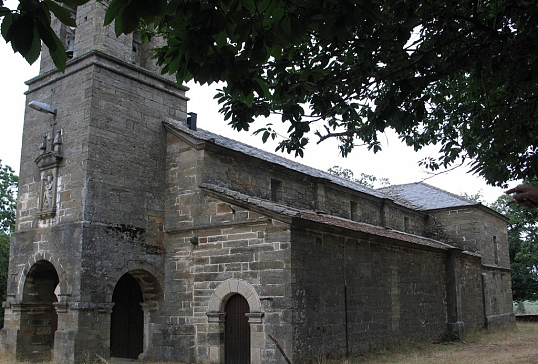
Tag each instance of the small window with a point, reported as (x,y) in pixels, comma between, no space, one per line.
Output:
(406,224)
(276,190)
(496,249)
(137,48)
(353,211)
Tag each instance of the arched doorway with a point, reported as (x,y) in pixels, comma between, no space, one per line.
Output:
(237,331)
(39,320)
(127,320)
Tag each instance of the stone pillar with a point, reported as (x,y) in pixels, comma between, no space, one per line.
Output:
(384,213)
(216,336)
(64,337)
(319,202)
(83,333)
(455,322)
(148,307)
(257,336)
(8,334)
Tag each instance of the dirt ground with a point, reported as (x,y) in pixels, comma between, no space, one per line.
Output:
(516,346)
(519,345)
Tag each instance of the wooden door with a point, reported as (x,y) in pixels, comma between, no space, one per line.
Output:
(237,331)
(127,321)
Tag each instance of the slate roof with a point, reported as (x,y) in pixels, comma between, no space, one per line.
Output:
(422,196)
(247,201)
(270,157)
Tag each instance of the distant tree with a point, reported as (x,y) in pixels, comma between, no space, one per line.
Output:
(8,192)
(4,263)
(457,74)
(365,179)
(523,241)
(477,197)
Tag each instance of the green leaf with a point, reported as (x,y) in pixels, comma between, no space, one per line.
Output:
(63,14)
(4,11)
(129,18)
(35,50)
(6,25)
(21,35)
(113,11)
(59,57)
(250,5)
(265,136)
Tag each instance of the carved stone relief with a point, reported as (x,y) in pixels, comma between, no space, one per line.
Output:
(49,163)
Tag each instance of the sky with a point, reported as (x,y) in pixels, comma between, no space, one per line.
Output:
(397,162)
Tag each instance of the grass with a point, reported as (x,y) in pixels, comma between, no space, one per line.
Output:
(518,345)
(526,307)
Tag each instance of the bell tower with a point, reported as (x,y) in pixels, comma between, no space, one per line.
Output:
(90,209)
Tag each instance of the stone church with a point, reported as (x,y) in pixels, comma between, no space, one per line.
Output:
(141,236)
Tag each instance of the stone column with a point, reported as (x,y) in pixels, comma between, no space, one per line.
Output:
(8,334)
(215,335)
(257,336)
(148,307)
(83,333)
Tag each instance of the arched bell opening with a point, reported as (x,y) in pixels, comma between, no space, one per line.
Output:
(39,320)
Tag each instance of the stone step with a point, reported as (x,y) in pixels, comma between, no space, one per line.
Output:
(114,360)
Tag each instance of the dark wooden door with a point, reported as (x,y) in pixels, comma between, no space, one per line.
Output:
(127,321)
(237,331)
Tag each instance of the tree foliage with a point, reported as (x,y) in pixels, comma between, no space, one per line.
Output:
(458,74)
(8,192)
(523,241)
(365,179)
(475,197)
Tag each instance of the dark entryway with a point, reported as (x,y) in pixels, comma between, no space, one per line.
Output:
(237,331)
(127,321)
(39,319)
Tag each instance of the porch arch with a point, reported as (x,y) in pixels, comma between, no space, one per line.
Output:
(38,317)
(136,296)
(62,288)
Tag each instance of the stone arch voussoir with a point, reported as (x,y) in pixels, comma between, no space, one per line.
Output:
(146,276)
(49,257)
(232,286)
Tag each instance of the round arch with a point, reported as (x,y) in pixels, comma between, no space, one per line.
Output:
(62,287)
(38,317)
(131,317)
(217,313)
(232,286)
(146,277)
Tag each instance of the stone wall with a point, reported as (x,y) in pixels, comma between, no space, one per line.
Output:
(476,229)
(243,246)
(498,307)
(471,292)
(393,294)
(190,167)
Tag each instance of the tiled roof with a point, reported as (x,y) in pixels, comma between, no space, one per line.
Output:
(323,219)
(421,196)
(270,157)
